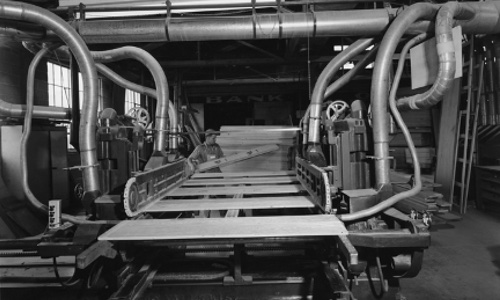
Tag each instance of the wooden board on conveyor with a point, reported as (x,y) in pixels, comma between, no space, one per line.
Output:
(178,205)
(243,174)
(225,228)
(230,181)
(233,190)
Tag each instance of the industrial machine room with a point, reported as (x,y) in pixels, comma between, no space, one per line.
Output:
(249,149)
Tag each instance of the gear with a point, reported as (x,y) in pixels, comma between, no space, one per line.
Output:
(131,197)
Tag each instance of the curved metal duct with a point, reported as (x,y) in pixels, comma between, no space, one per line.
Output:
(117,79)
(33,201)
(30,13)
(447,59)
(380,84)
(314,152)
(486,19)
(161,88)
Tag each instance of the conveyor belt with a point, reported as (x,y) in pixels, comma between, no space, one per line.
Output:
(235,192)
(172,205)
(225,228)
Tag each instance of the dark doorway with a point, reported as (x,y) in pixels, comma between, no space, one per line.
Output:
(217,115)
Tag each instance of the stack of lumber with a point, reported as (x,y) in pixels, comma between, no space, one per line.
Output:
(425,200)
(239,139)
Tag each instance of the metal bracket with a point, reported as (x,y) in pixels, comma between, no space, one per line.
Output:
(238,277)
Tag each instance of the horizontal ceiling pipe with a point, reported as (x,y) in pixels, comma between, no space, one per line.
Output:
(211,5)
(30,13)
(272,26)
(262,26)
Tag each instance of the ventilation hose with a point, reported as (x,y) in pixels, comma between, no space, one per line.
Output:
(399,120)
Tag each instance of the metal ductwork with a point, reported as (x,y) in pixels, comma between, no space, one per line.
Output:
(117,79)
(258,26)
(484,17)
(29,13)
(39,112)
(161,83)
(372,22)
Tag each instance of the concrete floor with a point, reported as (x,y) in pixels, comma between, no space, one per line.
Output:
(463,261)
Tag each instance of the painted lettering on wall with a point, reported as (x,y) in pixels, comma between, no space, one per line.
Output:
(243,99)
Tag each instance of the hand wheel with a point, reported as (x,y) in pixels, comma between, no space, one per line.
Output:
(140,115)
(335,109)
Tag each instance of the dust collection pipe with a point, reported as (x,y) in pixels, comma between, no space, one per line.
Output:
(26,12)
(39,112)
(24,143)
(486,20)
(161,83)
(399,120)
(55,112)
(380,85)
(447,59)
(347,77)
(314,152)
(258,26)
(371,22)
(117,79)
(336,85)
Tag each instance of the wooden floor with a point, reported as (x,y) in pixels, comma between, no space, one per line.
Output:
(232,192)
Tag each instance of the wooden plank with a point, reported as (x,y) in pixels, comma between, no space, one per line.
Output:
(225,228)
(232,190)
(257,180)
(257,164)
(243,174)
(447,140)
(227,160)
(230,142)
(172,205)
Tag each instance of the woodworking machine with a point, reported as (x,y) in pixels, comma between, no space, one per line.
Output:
(146,227)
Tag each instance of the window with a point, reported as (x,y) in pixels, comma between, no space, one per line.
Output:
(59,86)
(132,99)
(59,81)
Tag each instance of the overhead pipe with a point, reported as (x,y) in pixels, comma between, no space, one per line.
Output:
(314,152)
(447,60)
(347,77)
(117,79)
(258,26)
(371,22)
(30,13)
(22,30)
(161,118)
